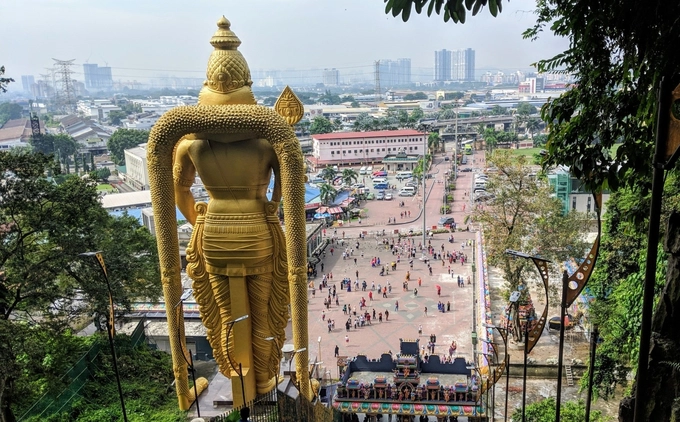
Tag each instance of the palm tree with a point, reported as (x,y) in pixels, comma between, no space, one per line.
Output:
(349,176)
(533,125)
(434,142)
(328,174)
(327,192)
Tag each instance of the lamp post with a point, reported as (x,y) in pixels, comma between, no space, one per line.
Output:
(240,368)
(424,174)
(190,362)
(480,383)
(319,341)
(110,325)
(315,365)
(536,331)
(488,380)
(295,352)
(504,335)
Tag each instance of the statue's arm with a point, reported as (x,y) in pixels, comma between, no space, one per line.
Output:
(183,176)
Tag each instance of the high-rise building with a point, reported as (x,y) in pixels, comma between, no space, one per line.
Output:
(463,65)
(442,65)
(331,77)
(395,72)
(97,77)
(27,82)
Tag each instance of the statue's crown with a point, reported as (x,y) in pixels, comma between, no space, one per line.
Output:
(227,68)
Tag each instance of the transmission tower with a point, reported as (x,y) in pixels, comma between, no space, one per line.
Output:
(35,121)
(378,93)
(66,92)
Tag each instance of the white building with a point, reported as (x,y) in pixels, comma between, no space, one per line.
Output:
(136,173)
(96,109)
(348,148)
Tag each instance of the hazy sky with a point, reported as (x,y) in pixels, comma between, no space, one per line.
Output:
(146,38)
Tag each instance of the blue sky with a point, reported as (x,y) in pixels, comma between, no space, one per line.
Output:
(145,38)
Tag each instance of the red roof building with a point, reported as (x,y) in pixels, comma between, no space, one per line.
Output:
(350,148)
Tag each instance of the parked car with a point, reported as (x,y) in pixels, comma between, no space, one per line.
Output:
(380,196)
(380,173)
(358,186)
(467,169)
(446,221)
(388,197)
(446,158)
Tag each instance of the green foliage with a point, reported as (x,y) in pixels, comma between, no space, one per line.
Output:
(617,282)
(145,378)
(329,98)
(618,64)
(9,111)
(415,96)
(59,144)
(349,176)
(321,124)
(454,10)
(117,116)
(544,411)
(526,109)
(327,193)
(46,226)
(4,81)
(123,139)
(328,174)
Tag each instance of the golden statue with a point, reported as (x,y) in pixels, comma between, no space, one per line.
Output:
(243,268)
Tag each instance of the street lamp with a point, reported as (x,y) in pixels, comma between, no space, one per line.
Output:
(319,341)
(110,324)
(295,352)
(190,362)
(506,362)
(536,331)
(480,383)
(240,368)
(315,365)
(488,380)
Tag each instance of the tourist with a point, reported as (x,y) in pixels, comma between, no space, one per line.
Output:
(346,338)
(448,306)
(420,330)
(337,351)
(396,306)
(387,315)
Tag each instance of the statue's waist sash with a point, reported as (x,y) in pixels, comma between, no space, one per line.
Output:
(238,244)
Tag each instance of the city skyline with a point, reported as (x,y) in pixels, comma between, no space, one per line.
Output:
(157,42)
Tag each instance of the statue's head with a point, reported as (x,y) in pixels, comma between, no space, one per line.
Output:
(228,77)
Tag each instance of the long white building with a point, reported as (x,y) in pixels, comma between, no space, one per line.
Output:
(349,148)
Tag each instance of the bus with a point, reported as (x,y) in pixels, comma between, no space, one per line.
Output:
(467,148)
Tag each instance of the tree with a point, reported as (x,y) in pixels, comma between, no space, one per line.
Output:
(415,116)
(415,96)
(618,65)
(321,124)
(525,109)
(45,228)
(434,142)
(9,111)
(524,216)
(544,411)
(533,125)
(349,176)
(327,193)
(4,81)
(123,139)
(117,116)
(328,174)
(497,110)
(60,144)
(329,98)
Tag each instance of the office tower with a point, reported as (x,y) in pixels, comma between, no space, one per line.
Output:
(27,82)
(442,66)
(395,72)
(463,65)
(331,77)
(97,77)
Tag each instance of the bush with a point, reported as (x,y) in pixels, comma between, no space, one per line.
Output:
(445,209)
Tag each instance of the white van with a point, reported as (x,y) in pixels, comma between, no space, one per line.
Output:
(407,191)
(401,175)
(362,170)
(379,180)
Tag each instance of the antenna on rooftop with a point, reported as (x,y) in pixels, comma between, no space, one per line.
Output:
(378,93)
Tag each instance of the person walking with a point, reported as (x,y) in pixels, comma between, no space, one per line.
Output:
(346,338)
(387,315)
(337,350)
(396,306)
(426,311)
(420,330)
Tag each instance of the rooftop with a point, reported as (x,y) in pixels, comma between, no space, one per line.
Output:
(376,134)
